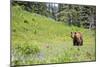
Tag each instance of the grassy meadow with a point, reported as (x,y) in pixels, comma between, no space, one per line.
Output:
(37,39)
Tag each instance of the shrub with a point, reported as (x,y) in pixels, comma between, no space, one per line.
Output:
(27,49)
(31,49)
(25,21)
(33,19)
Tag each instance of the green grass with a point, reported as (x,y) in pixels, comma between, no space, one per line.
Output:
(37,39)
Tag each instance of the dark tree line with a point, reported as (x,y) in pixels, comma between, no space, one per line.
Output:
(78,15)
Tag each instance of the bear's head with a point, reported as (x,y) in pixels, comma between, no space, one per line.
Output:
(73,34)
(76,34)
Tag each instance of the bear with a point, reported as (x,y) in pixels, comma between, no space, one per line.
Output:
(77,38)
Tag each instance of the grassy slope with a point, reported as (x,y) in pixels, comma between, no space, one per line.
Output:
(52,39)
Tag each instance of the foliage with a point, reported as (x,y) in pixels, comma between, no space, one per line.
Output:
(76,14)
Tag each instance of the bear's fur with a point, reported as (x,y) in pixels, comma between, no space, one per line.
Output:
(77,38)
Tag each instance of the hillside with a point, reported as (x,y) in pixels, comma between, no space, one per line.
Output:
(37,39)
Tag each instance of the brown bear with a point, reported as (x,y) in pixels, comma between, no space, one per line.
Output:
(77,38)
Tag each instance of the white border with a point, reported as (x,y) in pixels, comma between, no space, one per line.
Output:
(4,33)
(5,36)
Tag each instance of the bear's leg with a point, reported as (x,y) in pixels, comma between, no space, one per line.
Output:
(78,43)
(75,43)
(81,42)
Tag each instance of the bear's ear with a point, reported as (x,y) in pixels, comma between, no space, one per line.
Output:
(75,32)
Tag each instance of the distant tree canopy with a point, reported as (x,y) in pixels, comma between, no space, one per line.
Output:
(78,15)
